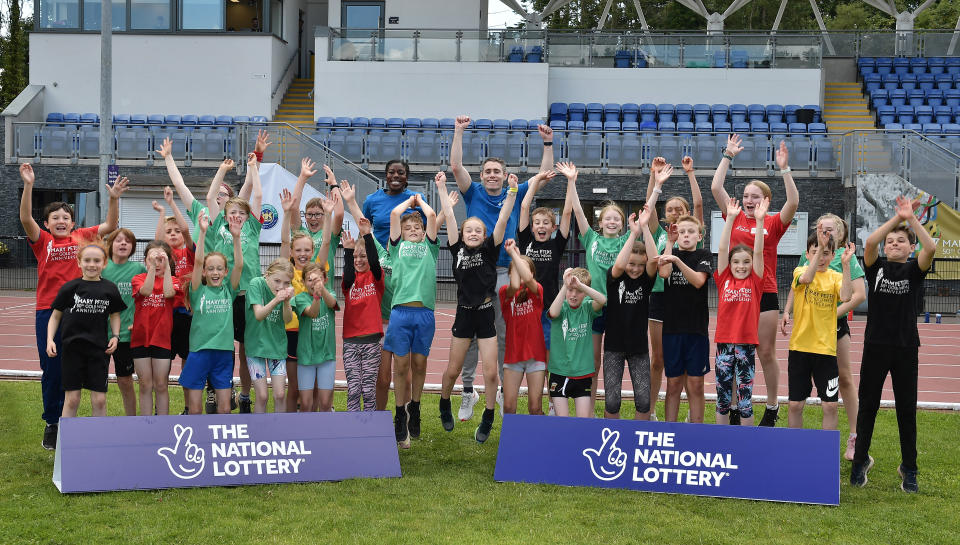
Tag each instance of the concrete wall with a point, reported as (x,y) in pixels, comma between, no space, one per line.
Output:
(460,14)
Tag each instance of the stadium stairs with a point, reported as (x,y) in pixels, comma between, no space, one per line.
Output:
(845,108)
(296,108)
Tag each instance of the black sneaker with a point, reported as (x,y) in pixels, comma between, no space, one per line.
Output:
(185,412)
(400,421)
(483,430)
(770,417)
(734,417)
(908,481)
(413,419)
(858,473)
(49,441)
(233,399)
(211,404)
(244,404)
(446,415)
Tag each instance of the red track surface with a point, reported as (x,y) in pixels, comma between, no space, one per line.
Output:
(939,355)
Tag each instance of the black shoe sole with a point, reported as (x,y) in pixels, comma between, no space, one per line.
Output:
(447,422)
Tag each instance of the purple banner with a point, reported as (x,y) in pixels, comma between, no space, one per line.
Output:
(150,452)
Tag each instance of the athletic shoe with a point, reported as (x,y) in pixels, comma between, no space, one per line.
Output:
(233,399)
(185,412)
(770,417)
(400,422)
(413,420)
(553,410)
(446,418)
(49,441)
(734,417)
(653,416)
(499,402)
(858,473)
(851,447)
(211,403)
(908,481)
(244,404)
(483,430)
(467,401)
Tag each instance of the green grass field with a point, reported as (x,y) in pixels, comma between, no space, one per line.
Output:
(447,495)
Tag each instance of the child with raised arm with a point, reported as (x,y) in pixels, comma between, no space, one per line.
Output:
(316,217)
(572,312)
(56,252)
(521,303)
(120,270)
(86,306)
(211,332)
(686,341)
(316,343)
(813,342)
(629,282)
(154,293)
(268,309)
(475,255)
(891,341)
(739,278)
(413,252)
(362,327)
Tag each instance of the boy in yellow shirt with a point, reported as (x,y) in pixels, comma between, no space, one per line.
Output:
(813,344)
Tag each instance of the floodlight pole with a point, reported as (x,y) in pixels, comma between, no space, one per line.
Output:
(106,113)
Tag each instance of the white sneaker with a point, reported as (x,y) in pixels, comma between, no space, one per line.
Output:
(553,411)
(500,401)
(467,401)
(653,416)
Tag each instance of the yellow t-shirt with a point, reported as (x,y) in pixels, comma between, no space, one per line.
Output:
(815,312)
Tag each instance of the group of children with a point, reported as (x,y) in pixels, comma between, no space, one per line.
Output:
(195,300)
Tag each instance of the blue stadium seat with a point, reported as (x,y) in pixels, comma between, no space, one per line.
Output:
(684,126)
(497,144)
(241,119)
(379,123)
(576,111)
(741,127)
(665,112)
(414,123)
(943,114)
(648,112)
(593,126)
(951,97)
(884,65)
(207,120)
(701,113)
(879,98)
(121,119)
(953,65)
(916,97)
(623,59)
(72,118)
(898,97)
(501,125)
(360,122)
(631,126)
(924,114)
(88,137)
(932,128)
(951,128)
(721,113)
(886,114)
(790,113)
(774,113)
(756,113)
(595,111)
(631,112)
(872,81)
(893,127)
(934,97)
(576,126)
(611,112)
(891,81)
(944,81)
(908,82)
(918,65)
(666,127)
(905,114)
(816,112)
(926,81)
(722,127)
(707,149)
(798,128)
(779,128)
(611,126)
(739,58)
(558,125)
(558,111)
(819,128)
(738,112)
(901,65)
(647,126)
(341,122)
(913,127)
(89,118)
(535,54)
(684,113)
(759,127)
(516,54)
(518,124)
(54,117)
(224,120)
(936,65)
(703,126)
(823,152)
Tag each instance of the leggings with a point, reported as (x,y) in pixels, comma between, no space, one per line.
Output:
(361,364)
(639,365)
(902,364)
(735,365)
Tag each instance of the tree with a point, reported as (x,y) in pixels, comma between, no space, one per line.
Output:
(13,55)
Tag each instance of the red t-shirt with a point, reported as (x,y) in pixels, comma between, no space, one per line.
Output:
(361,311)
(57,261)
(744,233)
(153,315)
(524,327)
(183,259)
(738,312)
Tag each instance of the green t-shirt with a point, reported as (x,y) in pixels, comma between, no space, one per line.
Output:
(660,239)
(415,272)
(571,340)
(193,213)
(836,264)
(601,253)
(219,232)
(331,254)
(121,276)
(317,340)
(384,256)
(212,324)
(265,338)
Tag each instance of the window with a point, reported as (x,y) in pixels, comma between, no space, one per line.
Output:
(149,15)
(59,14)
(276,18)
(201,14)
(91,15)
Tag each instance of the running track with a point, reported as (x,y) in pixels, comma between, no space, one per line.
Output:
(939,356)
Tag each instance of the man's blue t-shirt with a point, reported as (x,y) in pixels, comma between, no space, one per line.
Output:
(377,208)
(481,204)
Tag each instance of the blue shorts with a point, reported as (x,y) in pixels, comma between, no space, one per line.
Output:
(600,322)
(545,320)
(217,365)
(411,329)
(322,375)
(686,353)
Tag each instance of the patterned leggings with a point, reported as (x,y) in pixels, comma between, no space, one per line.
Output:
(639,365)
(735,363)
(361,363)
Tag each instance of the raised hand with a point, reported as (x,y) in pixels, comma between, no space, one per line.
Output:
(185,460)
(760,211)
(607,462)
(510,246)
(512,180)
(287,202)
(158,207)
(545,175)
(643,218)
(687,163)
(307,167)
(733,145)
(566,275)
(657,164)
(235,225)
(633,225)
(168,195)
(330,179)
(203,221)
(118,187)
(227,164)
(454,197)
(162,260)
(663,175)
(165,148)
(567,169)
(263,141)
(364,227)
(546,133)
(733,208)
(673,234)
(904,208)
(347,240)
(441,180)
(27,175)
(347,191)
(848,253)
(328,203)
(252,160)
(782,156)
(823,240)
(461,122)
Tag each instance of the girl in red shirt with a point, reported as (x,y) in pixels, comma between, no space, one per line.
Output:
(526,352)
(152,325)
(362,325)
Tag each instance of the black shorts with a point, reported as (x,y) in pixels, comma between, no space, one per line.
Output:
(843,328)
(475,322)
(293,336)
(155,352)
(123,360)
(801,366)
(657,307)
(180,334)
(769,301)
(239,317)
(561,386)
(84,367)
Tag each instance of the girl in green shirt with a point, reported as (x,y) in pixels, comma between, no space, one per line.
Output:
(120,270)
(267,309)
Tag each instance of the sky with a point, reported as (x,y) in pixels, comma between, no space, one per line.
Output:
(500,16)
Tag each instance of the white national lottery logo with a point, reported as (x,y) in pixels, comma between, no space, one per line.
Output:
(608,462)
(185,460)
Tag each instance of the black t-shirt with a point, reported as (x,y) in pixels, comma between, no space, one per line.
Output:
(628,301)
(475,270)
(892,293)
(546,257)
(686,308)
(86,306)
